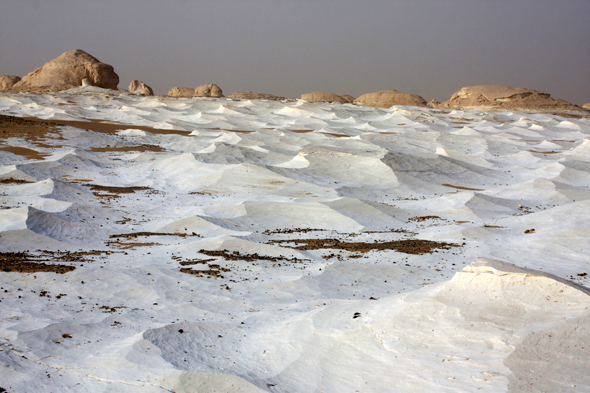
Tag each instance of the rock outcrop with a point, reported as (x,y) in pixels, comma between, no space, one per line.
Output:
(139,87)
(181,92)
(494,97)
(7,81)
(208,90)
(327,97)
(255,96)
(389,98)
(67,72)
(586,106)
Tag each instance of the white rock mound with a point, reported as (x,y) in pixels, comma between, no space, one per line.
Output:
(389,98)
(208,90)
(495,97)
(322,96)
(67,72)
(7,81)
(140,88)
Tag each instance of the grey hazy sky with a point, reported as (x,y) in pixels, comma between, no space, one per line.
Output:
(286,48)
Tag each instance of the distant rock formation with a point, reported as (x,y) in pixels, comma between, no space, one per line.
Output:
(327,97)
(434,104)
(140,88)
(389,98)
(67,72)
(255,96)
(181,92)
(208,90)
(7,81)
(586,106)
(490,97)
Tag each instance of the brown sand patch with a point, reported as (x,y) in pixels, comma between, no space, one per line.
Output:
(105,127)
(123,149)
(424,218)
(214,271)
(11,180)
(196,262)
(409,246)
(30,130)
(238,256)
(23,262)
(135,235)
(463,188)
(544,152)
(301,131)
(112,191)
(336,135)
(127,246)
(29,154)
(291,230)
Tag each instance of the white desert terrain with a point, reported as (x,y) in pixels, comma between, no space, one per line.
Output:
(157,244)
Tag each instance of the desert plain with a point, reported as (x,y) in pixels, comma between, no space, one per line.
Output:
(166,244)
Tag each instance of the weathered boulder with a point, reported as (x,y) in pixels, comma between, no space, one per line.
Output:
(255,96)
(7,81)
(209,90)
(181,92)
(494,97)
(434,104)
(140,88)
(67,72)
(586,106)
(389,98)
(326,97)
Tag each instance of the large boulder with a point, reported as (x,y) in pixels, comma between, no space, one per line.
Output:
(494,97)
(248,95)
(586,106)
(67,72)
(322,96)
(181,92)
(140,88)
(7,81)
(208,90)
(389,98)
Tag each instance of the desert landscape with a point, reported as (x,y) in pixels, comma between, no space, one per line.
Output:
(197,242)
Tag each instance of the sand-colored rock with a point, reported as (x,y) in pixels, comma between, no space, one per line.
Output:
(181,92)
(434,104)
(7,81)
(327,97)
(389,98)
(586,106)
(140,88)
(248,95)
(495,97)
(208,90)
(67,72)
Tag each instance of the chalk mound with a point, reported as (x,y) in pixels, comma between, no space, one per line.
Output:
(327,97)
(255,96)
(140,88)
(491,97)
(68,71)
(7,81)
(389,98)
(208,90)
(181,92)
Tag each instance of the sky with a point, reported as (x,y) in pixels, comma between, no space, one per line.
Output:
(291,47)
